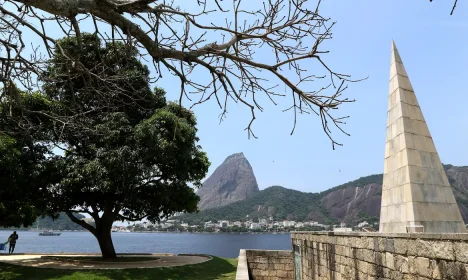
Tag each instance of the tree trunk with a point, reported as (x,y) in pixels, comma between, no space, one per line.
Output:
(103,235)
(105,243)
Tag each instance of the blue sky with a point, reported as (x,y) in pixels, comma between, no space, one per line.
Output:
(432,45)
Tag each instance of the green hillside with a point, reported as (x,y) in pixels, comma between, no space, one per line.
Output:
(361,182)
(276,202)
(61,223)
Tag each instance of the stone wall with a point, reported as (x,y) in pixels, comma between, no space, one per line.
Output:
(271,265)
(353,255)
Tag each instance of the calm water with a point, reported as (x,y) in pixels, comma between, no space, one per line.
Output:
(222,245)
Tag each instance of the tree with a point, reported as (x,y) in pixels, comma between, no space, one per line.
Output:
(126,158)
(22,200)
(251,52)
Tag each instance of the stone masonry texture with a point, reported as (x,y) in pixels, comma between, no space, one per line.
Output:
(415,190)
(397,256)
(270,265)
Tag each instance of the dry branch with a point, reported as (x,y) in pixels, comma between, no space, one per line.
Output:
(252,53)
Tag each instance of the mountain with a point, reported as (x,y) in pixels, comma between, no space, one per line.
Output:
(276,202)
(232,181)
(63,222)
(355,201)
(351,203)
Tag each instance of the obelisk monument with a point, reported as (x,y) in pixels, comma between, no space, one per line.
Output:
(416,194)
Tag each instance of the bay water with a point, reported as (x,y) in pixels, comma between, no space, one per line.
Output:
(226,245)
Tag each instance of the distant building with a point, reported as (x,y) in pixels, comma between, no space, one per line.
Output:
(223,224)
(239,224)
(299,225)
(342,229)
(209,224)
(362,224)
(255,226)
(289,223)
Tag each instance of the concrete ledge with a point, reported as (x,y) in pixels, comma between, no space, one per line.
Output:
(242,267)
(434,236)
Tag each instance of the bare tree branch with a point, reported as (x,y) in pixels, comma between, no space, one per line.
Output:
(258,48)
(453,7)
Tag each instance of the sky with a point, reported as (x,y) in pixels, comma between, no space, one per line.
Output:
(432,46)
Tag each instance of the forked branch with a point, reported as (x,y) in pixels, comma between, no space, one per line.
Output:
(240,52)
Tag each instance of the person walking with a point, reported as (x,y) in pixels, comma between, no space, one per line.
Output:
(12,239)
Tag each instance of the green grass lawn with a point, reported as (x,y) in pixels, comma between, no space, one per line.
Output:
(217,268)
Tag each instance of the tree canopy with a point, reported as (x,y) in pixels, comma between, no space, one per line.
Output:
(127,158)
(22,199)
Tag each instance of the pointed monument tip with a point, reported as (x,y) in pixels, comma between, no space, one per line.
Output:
(393,45)
(395,55)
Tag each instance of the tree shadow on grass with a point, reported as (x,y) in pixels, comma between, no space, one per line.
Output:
(215,269)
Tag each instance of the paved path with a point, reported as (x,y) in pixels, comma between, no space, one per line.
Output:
(47,261)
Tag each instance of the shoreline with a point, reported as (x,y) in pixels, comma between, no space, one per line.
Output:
(201,232)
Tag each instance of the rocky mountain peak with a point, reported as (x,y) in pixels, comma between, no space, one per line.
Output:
(232,181)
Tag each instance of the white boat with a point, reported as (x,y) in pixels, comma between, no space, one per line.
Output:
(49,233)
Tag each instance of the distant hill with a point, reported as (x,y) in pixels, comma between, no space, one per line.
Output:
(232,181)
(351,203)
(63,222)
(276,202)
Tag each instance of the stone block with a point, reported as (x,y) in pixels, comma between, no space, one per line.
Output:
(416,126)
(389,245)
(409,97)
(443,250)
(452,270)
(272,273)
(400,69)
(401,263)
(448,194)
(365,255)
(435,271)
(253,265)
(347,261)
(402,176)
(363,266)
(461,251)
(366,243)
(262,266)
(413,112)
(389,261)
(402,82)
(422,267)
(260,259)
(381,244)
(284,254)
(283,274)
